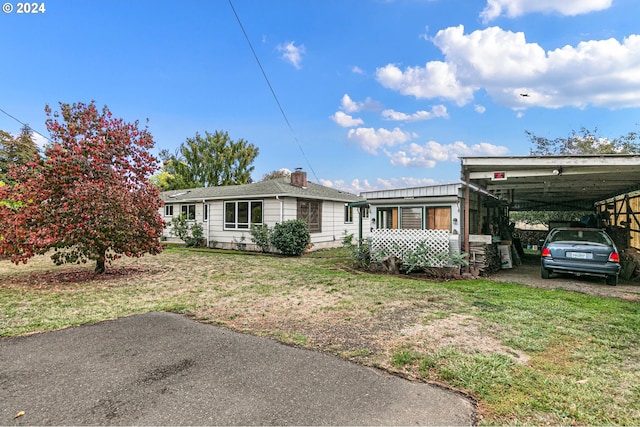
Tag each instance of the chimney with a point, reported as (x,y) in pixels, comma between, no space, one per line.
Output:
(299,178)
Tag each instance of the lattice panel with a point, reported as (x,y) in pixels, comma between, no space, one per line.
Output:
(400,242)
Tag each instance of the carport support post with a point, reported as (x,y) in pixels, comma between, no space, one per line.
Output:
(466,219)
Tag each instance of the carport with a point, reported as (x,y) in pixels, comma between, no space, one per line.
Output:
(595,183)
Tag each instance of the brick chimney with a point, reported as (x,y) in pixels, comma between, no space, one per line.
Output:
(299,178)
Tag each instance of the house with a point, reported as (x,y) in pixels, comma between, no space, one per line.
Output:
(227,213)
(434,207)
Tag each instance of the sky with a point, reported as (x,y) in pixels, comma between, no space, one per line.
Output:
(362,94)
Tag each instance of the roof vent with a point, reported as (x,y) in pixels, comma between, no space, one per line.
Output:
(173,196)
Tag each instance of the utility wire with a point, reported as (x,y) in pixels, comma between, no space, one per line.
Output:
(264,74)
(24,124)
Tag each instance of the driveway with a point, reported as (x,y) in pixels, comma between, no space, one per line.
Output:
(529,274)
(164,369)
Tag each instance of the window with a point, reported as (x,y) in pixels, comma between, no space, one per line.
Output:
(348,213)
(238,214)
(168,210)
(205,213)
(414,218)
(189,211)
(411,218)
(311,212)
(438,218)
(387,218)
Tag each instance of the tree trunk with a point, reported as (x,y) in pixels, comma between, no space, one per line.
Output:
(100,267)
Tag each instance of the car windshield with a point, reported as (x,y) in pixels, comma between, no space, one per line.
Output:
(588,236)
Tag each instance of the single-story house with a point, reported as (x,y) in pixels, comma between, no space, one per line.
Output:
(433,207)
(227,212)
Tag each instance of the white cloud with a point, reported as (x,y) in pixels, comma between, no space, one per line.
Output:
(603,73)
(479,108)
(490,56)
(39,140)
(428,154)
(358,186)
(515,8)
(351,106)
(408,159)
(435,80)
(370,139)
(357,70)
(292,53)
(348,105)
(346,120)
(436,111)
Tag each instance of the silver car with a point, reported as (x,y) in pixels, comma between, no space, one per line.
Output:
(580,251)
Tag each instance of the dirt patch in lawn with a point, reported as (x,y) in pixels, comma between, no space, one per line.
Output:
(314,319)
(70,278)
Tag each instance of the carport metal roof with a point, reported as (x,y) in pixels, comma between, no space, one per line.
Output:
(553,182)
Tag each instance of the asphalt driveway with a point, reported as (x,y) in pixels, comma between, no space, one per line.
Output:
(164,369)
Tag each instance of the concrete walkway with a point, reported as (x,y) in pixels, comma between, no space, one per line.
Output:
(164,369)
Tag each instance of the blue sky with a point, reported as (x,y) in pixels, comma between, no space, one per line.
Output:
(378,93)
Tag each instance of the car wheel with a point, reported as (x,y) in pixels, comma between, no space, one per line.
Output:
(545,273)
(612,280)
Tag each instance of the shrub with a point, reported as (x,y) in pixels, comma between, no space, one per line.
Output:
(261,236)
(196,239)
(291,237)
(192,236)
(361,255)
(347,239)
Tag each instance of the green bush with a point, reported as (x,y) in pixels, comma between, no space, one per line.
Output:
(291,237)
(196,239)
(261,236)
(192,236)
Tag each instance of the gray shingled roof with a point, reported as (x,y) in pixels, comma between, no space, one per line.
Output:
(273,187)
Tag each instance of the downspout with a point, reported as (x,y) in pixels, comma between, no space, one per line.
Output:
(281,209)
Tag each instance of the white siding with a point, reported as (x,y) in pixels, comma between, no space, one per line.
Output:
(274,211)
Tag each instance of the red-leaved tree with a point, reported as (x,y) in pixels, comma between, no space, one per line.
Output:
(89,197)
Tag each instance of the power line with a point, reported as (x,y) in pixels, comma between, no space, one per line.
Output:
(24,124)
(273,92)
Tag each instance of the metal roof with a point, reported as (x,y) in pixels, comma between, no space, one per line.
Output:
(438,190)
(281,187)
(554,182)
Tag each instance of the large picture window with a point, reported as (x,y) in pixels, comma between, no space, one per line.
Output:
(241,214)
(189,211)
(311,212)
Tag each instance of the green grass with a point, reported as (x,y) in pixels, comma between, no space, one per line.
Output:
(583,366)
(583,369)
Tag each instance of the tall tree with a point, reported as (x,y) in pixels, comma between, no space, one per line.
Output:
(89,197)
(210,160)
(280,173)
(584,141)
(168,178)
(15,151)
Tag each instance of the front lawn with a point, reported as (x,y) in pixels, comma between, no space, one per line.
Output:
(528,355)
